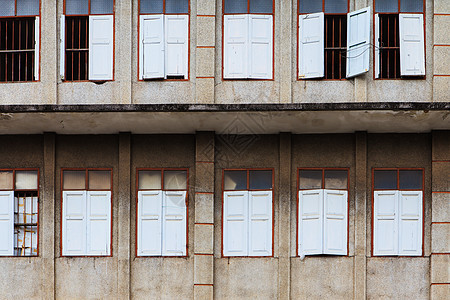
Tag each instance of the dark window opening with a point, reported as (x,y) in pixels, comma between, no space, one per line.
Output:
(389,46)
(335,46)
(175,76)
(77,48)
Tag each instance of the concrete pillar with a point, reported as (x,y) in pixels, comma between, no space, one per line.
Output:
(285,40)
(123,49)
(204,217)
(441,50)
(49,52)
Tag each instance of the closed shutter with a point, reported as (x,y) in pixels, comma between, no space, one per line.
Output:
(149,225)
(261,46)
(335,222)
(358,42)
(6,223)
(174,223)
(311,45)
(151,52)
(235,223)
(310,227)
(410,223)
(235,54)
(62,47)
(412,46)
(176,45)
(385,223)
(101,33)
(98,222)
(36,48)
(260,223)
(377,46)
(74,223)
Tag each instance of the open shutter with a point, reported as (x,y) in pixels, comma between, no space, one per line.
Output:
(412,46)
(101,37)
(358,42)
(74,223)
(377,46)
(62,47)
(6,223)
(335,222)
(385,223)
(310,227)
(261,46)
(98,222)
(174,223)
(260,223)
(235,223)
(37,41)
(176,45)
(149,223)
(151,52)
(410,223)
(235,53)
(311,45)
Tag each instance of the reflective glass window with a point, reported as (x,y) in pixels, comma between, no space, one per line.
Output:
(261,6)
(411,6)
(74,180)
(336,179)
(410,179)
(99,180)
(7,8)
(152,6)
(102,6)
(175,180)
(177,6)
(235,180)
(336,6)
(310,179)
(260,179)
(386,6)
(236,6)
(26,180)
(6,180)
(27,7)
(77,7)
(309,6)
(385,179)
(149,180)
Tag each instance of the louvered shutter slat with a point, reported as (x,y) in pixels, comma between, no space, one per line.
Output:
(74,223)
(174,223)
(149,223)
(176,45)
(235,223)
(311,46)
(310,218)
(385,232)
(260,223)
(261,46)
(410,223)
(412,45)
(235,56)
(358,42)
(101,33)
(98,222)
(335,222)
(6,223)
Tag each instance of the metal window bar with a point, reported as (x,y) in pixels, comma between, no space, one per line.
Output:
(77,49)
(335,46)
(389,46)
(26,223)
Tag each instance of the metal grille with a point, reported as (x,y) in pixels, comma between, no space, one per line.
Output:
(26,223)
(77,48)
(335,46)
(389,46)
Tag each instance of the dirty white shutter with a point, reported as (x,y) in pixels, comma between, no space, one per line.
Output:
(311,45)
(377,46)
(149,223)
(176,45)
(62,47)
(260,223)
(335,222)
(151,41)
(310,227)
(101,37)
(174,223)
(385,223)
(36,48)
(358,42)
(235,223)
(260,46)
(412,46)
(98,222)
(410,223)
(6,223)
(74,223)
(235,54)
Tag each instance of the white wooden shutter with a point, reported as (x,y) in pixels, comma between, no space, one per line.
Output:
(6,223)
(36,48)
(62,47)
(377,46)
(149,225)
(151,52)
(235,53)
(310,227)
(412,46)
(358,42)
(101,47)
(74,223)
(410,223)
(260,46)
(335,222)
(311,45)
(174,223)
(176,45)
(385,223)
(235,223)
(98,222)
(260,223)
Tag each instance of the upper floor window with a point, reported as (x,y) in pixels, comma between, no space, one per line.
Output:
(163,39)
(87,40)
(399,38)
(248,39)
(19,40)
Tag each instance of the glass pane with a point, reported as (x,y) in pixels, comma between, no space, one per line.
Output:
(99,180)
(336,6)
(309,6)
(77,7)
(175,180)
(149,180)
(336,179)
(7,7)
(27,7)
(261,6)
(236,7)
(26,180)
(260,180)
(6,180)
(74,180)
(235,180)
(310,179)
(386,6)
(151,6)
(411,5)
(102,6)
(385,179)
(410,179)
(177,6)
